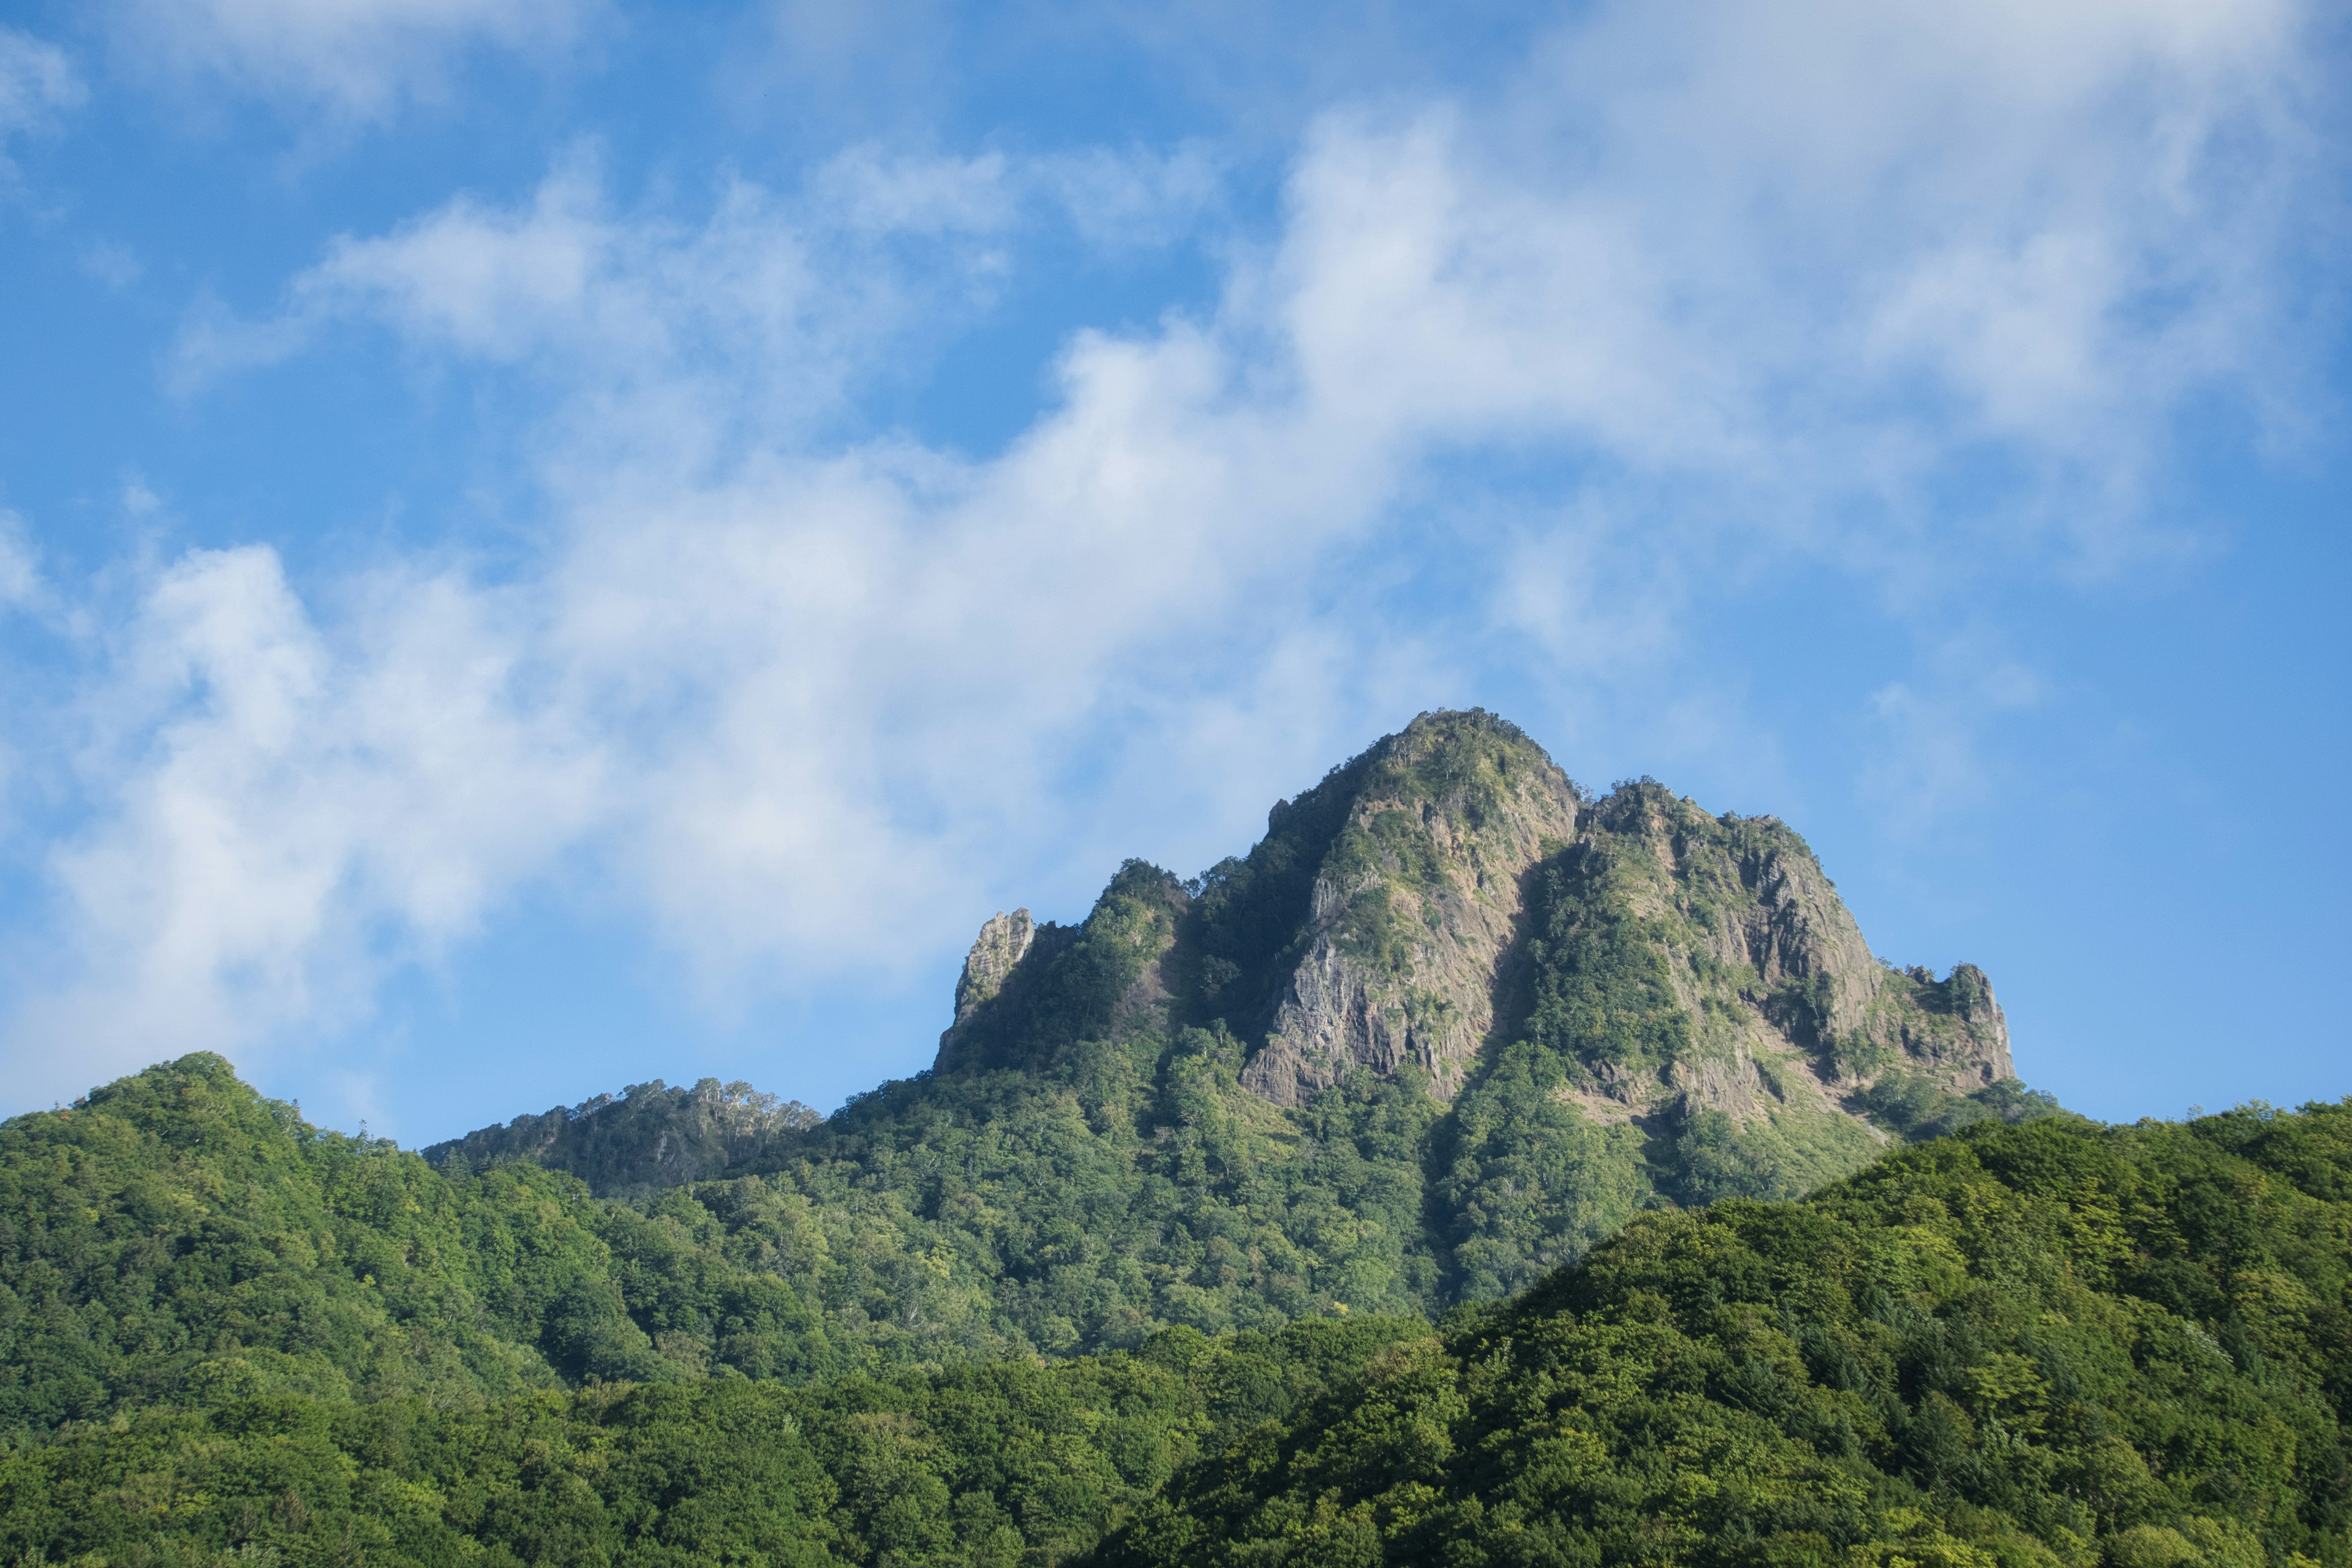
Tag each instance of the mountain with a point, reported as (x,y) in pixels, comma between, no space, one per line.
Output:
(1451,1022)
(2052,1345)
(648,1137)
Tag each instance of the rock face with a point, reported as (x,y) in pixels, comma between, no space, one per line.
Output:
(648,1137)
(1770,1007)
(1413,908)
(1451,890)
(1002,942)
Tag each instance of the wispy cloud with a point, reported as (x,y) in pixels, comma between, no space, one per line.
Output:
(353,62)
(37,85)
(1750,289)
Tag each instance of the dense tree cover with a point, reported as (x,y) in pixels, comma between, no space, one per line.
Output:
(2034,1346)
(1089,1201)
(2053,1345)
(176,1237)
(1013,1463)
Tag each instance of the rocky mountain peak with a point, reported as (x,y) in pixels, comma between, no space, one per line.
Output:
(1414,902)
(1449,890)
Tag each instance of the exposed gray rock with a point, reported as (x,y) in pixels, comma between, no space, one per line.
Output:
(650,1136)
(1418,906)
(1414,907)
(1003,941)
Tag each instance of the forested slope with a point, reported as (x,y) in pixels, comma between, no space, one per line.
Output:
(175,1238)
(1012,1463)
(2052,1344)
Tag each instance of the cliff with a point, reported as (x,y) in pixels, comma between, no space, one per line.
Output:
(1451,888)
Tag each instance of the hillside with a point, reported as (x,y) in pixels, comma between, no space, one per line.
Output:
(1449,1023)
(2058,1344)
(174,1239)
(2055,1345)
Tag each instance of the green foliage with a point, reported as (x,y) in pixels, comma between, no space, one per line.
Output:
(1244,928)
(1013,1463)
(232,1339)
(1091,1201)
(1915,1108)
(176,1238)
(1075,985)
(1530,1180)
(2032,1346)
(1603,1002)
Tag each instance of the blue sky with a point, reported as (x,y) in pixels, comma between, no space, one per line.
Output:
(549,544)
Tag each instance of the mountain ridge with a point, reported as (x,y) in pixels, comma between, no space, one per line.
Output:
(1449,1023)
(1385,918)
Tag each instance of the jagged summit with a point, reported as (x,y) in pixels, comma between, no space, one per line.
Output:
(1452,888)
(1416,901)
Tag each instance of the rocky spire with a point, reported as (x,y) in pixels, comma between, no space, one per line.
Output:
(1003,941)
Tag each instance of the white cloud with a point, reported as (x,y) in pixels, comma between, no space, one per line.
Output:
(20,572)
(764,315)
(1135,199)
(1757,285)
(38,83)
(287,811)
(356,60)
(116,266)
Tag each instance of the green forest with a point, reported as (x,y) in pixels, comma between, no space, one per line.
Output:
(235,1339)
